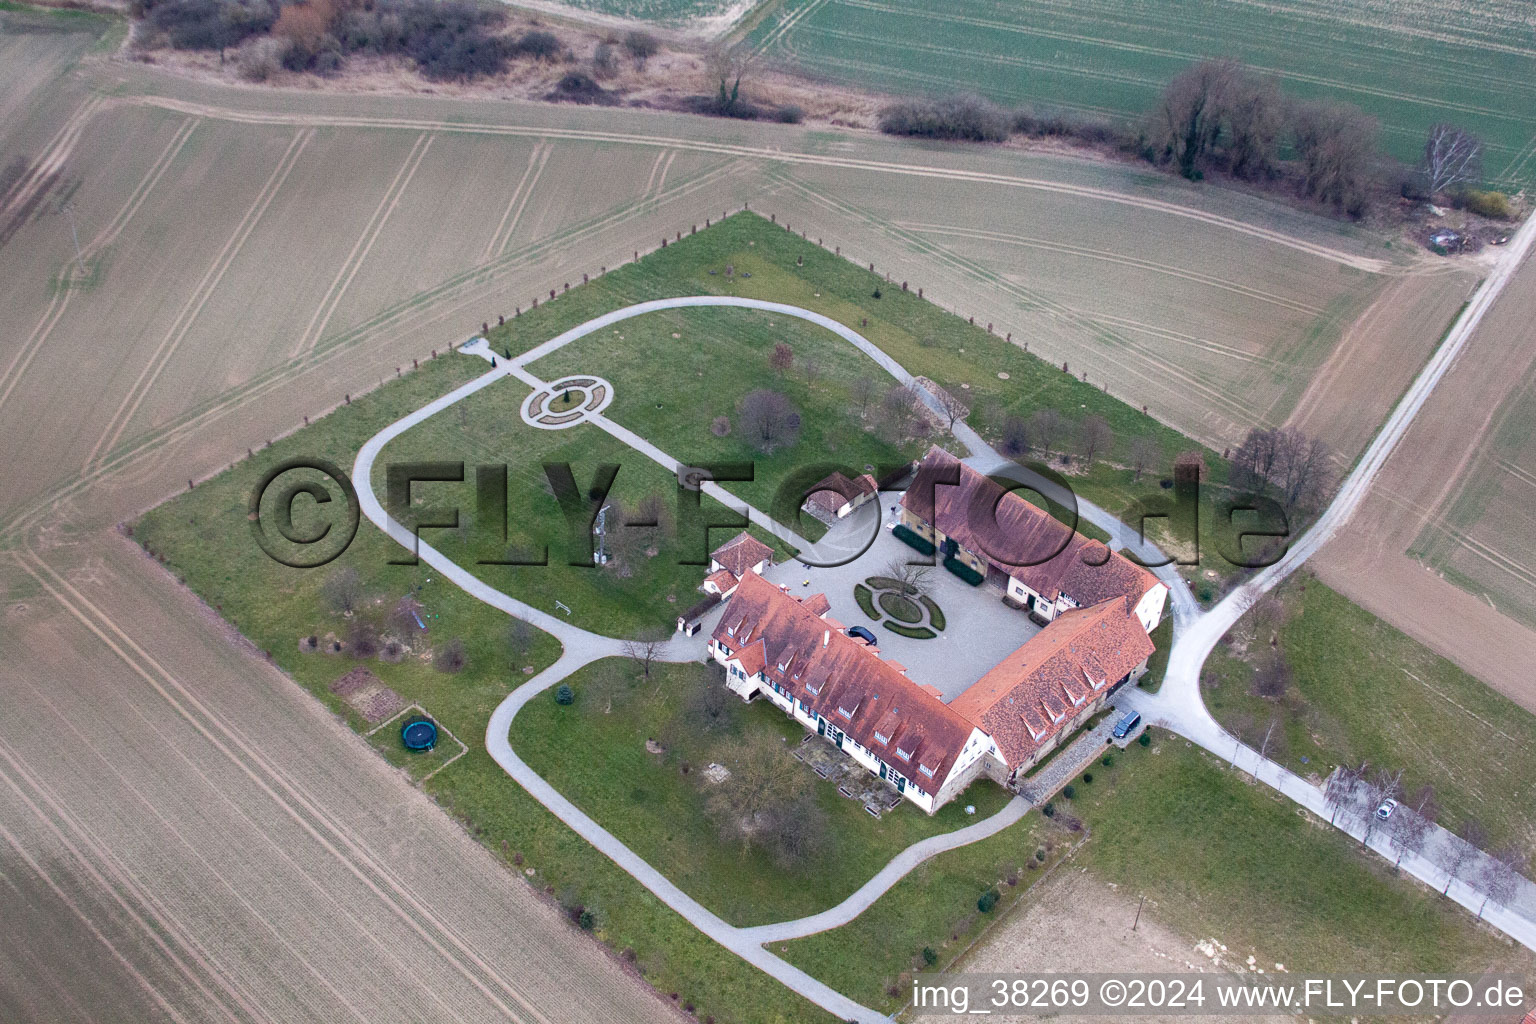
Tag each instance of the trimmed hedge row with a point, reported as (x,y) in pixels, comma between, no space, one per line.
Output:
(912,632)
(935,616)
(912,540)
(963,571)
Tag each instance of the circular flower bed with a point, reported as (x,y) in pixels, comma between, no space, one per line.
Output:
(902,609)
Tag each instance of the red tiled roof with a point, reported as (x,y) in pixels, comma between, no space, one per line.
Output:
(1030,695)
(868,699)
(723,580)
(818,604)
(1018,537)
(741,553)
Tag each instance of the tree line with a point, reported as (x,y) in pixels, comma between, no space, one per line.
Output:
(1218,116)
(1355,794)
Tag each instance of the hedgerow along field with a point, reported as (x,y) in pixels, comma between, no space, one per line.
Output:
(1409,65)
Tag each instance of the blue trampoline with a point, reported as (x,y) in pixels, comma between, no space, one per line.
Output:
(419,734)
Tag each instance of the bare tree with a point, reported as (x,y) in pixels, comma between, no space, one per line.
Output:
(644,647)
(1501,875)
(520,638)
(1409,826)
(1188,119)
(951,406)
(914,577)
(1146,453)
(709,706)
(1336,143)
(768,420)
(1272,678)
(861,391)
(1254,116)
(782,358)
(1302,467)
(1094,437)
(900,407)
(1451,157)
(1339,789)
(1046,427)
(451,657)
(1015,436)
(1454,854)
(342,590)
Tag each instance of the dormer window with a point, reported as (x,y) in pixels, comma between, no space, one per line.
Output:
(881,738)
(814,688)
(847,712)
(925,770)
(905,755)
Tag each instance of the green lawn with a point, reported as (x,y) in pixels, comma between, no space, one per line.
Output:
(648,582)
(676,371)
(1471,65)
(873,957)
(1362,690)
(594,752)
(1219,856)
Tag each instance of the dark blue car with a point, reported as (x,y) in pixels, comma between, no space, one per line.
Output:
(863,634)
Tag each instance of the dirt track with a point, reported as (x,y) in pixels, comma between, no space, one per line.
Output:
(1367,562)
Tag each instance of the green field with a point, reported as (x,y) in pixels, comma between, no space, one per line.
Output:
(1362,691)
(1409,66)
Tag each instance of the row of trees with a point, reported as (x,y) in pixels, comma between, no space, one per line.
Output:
(1299,468)
(1354,793)
(1220,116)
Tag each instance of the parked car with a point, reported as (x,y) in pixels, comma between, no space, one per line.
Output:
(860,633)
(1127,725)
(1385,810)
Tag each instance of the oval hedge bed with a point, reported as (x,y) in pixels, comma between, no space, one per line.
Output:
(914,632)
(935,615)
(902,609)
(866,601)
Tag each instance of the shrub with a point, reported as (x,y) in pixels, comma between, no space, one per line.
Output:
(210,24)
(1049,810)
(1488,204)
(538,44)
(261,60)
(641,46)
(789,114)
(1069,791)
(929,956)
(721,426)
(988,901)
(1109,759)
(1145,739)
(1088,778)
(585,920)
(564,695)
(964,116)
(1040,855)
(578,87)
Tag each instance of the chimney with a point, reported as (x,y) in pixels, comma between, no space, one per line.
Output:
(826,637)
